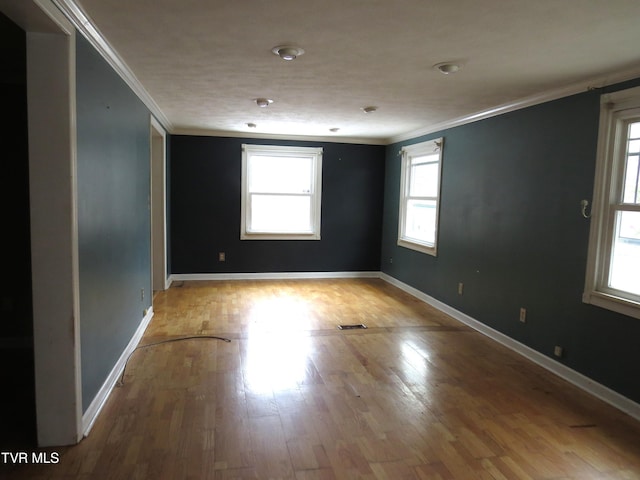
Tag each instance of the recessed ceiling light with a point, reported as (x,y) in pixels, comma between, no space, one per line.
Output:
(334,129)
(369,109)
(447,67)
(263,102)
(251,125)
(287,52)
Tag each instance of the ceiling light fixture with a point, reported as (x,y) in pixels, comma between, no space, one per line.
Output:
(447,68)
(251,125)
(287,52)
(369,109)
(334,129)
(263,102)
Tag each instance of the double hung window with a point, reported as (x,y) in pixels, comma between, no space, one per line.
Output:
(281,192)
(613,271)
(420,196)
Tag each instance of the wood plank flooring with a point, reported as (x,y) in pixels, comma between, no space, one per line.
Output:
(414,396)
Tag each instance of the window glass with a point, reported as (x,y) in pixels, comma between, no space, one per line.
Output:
(421,220)
(280,213)
(625,259)
(424,176)
(280,174)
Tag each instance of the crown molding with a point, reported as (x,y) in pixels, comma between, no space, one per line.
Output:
(84,25)
(555,94)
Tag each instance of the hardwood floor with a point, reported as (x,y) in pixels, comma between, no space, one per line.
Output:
(416,395)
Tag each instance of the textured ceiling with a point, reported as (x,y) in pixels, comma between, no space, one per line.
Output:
(204,61)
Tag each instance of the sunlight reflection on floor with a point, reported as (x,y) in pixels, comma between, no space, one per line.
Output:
(278,344)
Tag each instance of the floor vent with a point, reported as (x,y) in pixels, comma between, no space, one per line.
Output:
(352,327)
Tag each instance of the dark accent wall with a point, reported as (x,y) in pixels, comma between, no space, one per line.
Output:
(205,192)
(17,403)
(14,190)
(113,215)
(511,230)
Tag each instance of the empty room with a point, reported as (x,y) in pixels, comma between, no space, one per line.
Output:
(320,240)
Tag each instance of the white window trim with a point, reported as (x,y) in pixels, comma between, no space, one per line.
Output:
(424,148)
(614,108)
(316,197)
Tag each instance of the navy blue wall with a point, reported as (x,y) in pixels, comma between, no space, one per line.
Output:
(205,192)
(511,230)
(113,215)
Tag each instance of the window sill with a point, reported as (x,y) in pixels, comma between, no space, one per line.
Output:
(279,236)
(419,247)
(613,303)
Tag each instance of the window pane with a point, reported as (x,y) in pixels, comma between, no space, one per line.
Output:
(631,192)
(421,221)
(424,177)
(625,258)
(279,174)
(634,130)
(280,213)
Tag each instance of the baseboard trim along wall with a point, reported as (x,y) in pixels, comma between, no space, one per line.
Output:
(268,276)
(89,417)
(581,381)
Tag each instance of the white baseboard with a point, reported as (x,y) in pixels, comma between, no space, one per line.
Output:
(269,276)
(89,417)
(581,381)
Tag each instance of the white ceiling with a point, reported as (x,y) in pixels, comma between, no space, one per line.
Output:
(204,61)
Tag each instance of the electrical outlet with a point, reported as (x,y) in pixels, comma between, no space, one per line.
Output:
(523,315)
(460,288)
(142,294)
(558,351)
(221,257)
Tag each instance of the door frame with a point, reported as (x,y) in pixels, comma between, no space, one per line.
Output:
(158,206)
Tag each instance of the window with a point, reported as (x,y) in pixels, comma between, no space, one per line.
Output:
(281,192)
(613,271)
(420,196)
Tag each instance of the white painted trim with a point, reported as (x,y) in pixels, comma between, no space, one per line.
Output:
(84,24)
(530,101)
(614,108)
(314,154)
(158,126)
(429,147)
(79,18)
(56,16)
(186,277)
(54,239)
(158,203)
(92,412)
(581,381)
